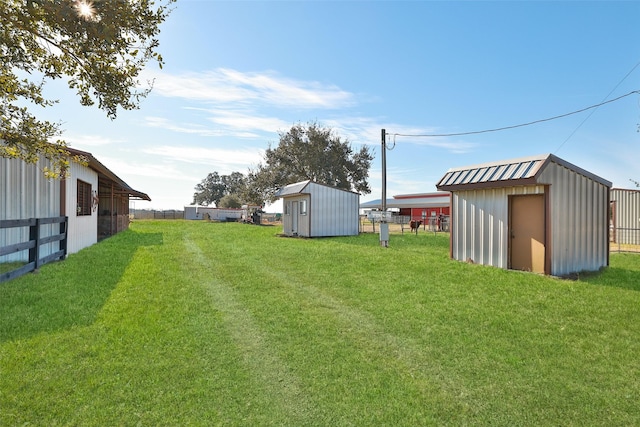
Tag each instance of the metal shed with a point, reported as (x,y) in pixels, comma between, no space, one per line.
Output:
(625,217)
(317,210)
(540,214)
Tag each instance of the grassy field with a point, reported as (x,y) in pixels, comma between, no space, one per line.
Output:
(195,323)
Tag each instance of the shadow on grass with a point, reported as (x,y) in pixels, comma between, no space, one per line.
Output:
(616,277)
(623,272)
(68,293)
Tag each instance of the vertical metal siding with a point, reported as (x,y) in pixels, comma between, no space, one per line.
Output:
(481,219)
(330,212)
(286,217)
(579,224)
(303,221)
(83,230)
(333,212)
(627,216)
(26,193)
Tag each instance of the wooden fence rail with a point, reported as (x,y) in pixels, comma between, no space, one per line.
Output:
(36,240)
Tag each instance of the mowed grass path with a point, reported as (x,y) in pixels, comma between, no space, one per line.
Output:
(195,323)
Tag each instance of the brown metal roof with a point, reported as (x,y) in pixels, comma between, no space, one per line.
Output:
(506,173)
(105,174)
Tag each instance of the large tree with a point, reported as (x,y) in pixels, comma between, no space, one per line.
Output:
(230,201)
(215,186)
(311,152)
(99,46)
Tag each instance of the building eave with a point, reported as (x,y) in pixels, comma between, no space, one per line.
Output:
(105,173)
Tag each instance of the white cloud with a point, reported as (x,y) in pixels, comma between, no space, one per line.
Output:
(189,128)
(246,121)
(224,86)
(395,134)
(227,123)
(128,167)
(89,140)
(228,158)
(367,131)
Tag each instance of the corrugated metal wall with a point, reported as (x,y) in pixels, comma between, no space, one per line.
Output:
(286,217)
(627,216)
(26,193)
(83,230)
(330,212)
(293,222)
(333,212)
(579,210)
(481,219)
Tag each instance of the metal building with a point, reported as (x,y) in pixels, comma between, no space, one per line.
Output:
(625,217)
(94,199)
(540,214)
(317,210)
(215,214)
(416,206)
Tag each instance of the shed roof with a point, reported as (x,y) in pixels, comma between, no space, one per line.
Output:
(295,188)
(435,195)
(301,188)
(106,175)
(441,200)
(507,173)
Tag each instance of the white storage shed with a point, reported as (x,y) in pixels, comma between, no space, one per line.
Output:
(317,210)
(540,214)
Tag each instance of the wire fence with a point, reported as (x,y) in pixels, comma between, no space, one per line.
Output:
(623,239)
(265,218)
(156,214)
(405,223)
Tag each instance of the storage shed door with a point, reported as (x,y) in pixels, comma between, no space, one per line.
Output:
(527,233)
(294,218)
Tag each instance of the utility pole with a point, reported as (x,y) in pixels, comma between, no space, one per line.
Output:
(384,226)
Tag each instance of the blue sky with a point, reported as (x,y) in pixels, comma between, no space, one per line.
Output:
(239,72)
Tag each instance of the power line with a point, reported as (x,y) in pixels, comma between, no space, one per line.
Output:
(594,110)
(435,135)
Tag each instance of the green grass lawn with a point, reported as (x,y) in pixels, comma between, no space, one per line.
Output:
(196,323)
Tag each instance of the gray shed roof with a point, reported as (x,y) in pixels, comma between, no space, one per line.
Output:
(506,173)
(301,188)
(296,188)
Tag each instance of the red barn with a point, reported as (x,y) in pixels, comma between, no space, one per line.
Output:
(422,205)
(431,208)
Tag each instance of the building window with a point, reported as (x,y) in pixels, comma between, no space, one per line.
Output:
(303,207)
(84,198)
(287,208)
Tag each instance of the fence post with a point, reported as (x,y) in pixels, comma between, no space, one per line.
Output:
(34,235)
(63,231)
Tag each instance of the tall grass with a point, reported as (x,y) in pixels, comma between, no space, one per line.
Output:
(194,323)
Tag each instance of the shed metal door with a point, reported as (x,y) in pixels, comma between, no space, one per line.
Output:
(527,243)
(294,217)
